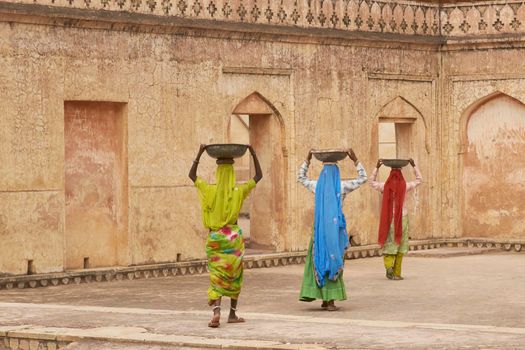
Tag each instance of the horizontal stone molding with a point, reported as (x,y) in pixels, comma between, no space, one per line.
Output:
(407,18)
(251,261)
(258,71)
(31,341)
(39,338)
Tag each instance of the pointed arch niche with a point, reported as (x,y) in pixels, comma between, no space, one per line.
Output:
(402,133)
(256,121)
(492,145)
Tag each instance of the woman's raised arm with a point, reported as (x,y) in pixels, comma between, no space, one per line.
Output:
(193,170)
(258,171)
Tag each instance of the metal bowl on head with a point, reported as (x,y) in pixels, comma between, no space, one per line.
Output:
(226,150)
(396,163)
(329,155)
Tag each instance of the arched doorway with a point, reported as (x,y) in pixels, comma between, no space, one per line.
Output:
(494,168)
(255,121)
(402,133)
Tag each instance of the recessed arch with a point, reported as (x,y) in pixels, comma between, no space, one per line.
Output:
(470,110)
(256,104)
(400,109)
(491,166)
(387,109)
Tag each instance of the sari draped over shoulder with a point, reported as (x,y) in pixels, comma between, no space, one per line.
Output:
(330,238)
(221,204)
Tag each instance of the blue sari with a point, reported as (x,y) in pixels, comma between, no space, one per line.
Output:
(330,238)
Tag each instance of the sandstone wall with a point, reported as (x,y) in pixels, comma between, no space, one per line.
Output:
(472,81)
(179,88)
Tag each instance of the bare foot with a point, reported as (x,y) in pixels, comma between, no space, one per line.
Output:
(324,305)
(215,321)
(235,319)
(331,306)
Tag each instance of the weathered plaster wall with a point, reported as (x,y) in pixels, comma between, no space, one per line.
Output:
(96,181)
(494,170)
(470,79)
(181,89)
(31,228)
(175,102)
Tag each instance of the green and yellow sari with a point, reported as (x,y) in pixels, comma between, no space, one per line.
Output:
(221,204)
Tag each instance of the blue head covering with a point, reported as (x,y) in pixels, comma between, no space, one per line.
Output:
(330,236)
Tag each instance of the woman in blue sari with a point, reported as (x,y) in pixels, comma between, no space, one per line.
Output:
(323,272)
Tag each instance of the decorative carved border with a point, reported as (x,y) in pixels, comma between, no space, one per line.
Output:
(413,18)
(250,262)
(495,17)
(387,16)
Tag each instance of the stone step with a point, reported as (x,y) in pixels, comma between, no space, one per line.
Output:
(451,252)
(104,345)
(127,338)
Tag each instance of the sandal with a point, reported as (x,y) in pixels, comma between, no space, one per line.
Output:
(398,278)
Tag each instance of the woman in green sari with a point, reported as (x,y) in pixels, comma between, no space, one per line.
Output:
(221,203)
(323,271)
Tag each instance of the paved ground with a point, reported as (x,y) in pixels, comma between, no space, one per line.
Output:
(466,302)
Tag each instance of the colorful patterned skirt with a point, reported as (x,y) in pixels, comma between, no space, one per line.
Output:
(225,251)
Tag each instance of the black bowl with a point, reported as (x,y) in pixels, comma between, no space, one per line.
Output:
(226,150)
(395,163)
(330,155)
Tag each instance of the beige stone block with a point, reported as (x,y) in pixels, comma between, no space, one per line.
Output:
(24,344)
(33,344)
(13,344)
(387,150)
(31,151)
(52,345)
(32,335)
(387,133)
(37,219)
(62,344)
(161,230)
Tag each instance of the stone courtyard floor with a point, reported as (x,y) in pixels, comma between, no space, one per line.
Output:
(455,302)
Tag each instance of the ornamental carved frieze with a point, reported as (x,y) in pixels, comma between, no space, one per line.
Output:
(423,18)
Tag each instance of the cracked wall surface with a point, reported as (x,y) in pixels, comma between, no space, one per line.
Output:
(180,89)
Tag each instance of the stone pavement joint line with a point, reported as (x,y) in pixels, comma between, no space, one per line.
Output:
(255,315)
